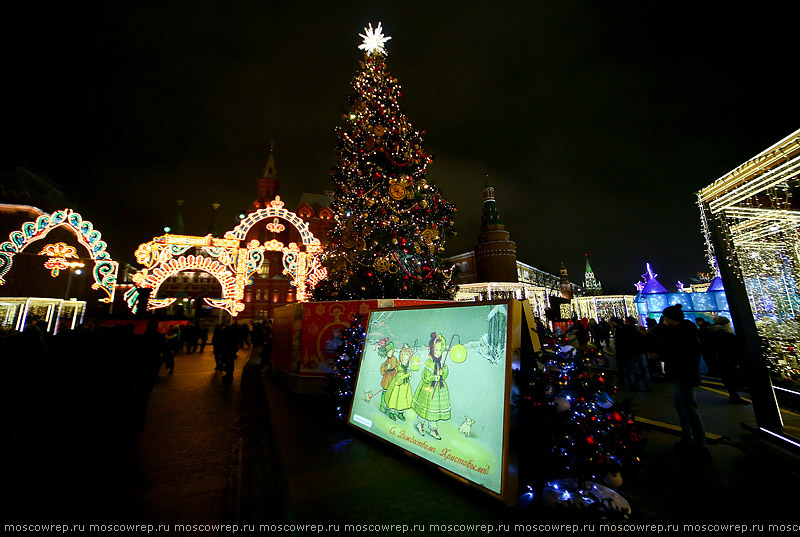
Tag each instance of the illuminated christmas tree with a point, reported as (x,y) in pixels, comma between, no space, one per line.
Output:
(391,222)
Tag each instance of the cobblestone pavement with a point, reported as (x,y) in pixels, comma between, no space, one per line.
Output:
(181,466)
(187,451)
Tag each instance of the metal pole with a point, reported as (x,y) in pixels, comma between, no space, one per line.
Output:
(765,406)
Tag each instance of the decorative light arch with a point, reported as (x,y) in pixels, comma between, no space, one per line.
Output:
(219,271)
(105,269)
(230,261)
(275,210)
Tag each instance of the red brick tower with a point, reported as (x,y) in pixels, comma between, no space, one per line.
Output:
(496,253)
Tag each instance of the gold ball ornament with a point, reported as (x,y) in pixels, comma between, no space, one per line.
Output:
(397,191)
(458,353)
(350,240)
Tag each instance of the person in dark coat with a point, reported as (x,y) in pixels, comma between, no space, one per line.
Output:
(582,332)
(620,358)
(727,350)
(218,340)
(631,347)
(654,363)
(153,350)
(605,334)
(707,347)
(679,349)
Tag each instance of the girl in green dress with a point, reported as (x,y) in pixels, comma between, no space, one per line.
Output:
(432,398)
(398,393)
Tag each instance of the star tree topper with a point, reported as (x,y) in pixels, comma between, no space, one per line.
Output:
(374,40)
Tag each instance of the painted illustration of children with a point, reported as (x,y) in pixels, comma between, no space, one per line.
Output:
(432,399)
(388,371)
(398,393)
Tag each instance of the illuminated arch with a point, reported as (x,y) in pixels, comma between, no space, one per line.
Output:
(275,210)
(153,280)
(163,256)
(105,269)
(304,267)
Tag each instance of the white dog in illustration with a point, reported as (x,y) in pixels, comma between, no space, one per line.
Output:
(466,427)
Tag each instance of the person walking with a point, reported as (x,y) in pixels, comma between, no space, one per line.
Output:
(620,355)
(726,347)
(218,340)
(635,346)
(605,334)
(596,331)
(707,347)
(679,349)
(654,364)
(203,338)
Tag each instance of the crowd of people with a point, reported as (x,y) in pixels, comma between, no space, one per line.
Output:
(671,348)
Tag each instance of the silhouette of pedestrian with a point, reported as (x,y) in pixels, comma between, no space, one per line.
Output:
(680,351)
(727,349)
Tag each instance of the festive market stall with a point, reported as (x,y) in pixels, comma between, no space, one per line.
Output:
(307,337)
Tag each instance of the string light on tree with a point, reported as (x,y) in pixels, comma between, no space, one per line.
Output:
(391,222)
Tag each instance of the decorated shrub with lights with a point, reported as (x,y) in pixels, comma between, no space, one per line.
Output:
(572,429)
(345,366)
(391,221)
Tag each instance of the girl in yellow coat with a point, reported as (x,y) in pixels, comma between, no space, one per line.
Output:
(398,393)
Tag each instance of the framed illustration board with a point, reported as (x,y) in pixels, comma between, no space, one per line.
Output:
(435,381)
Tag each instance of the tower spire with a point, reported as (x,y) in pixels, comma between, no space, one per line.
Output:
(591,284)
(177,218)
(268,185)
(269,170)
(212,223)
(495,253)
(490,219)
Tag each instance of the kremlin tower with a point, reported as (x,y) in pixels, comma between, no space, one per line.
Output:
(591,285)
(496,253)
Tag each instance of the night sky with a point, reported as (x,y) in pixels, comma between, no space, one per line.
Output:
(595,121)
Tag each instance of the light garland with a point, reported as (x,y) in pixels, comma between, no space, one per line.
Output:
(58,254)
(755,209)
(105,268)
(228,260)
